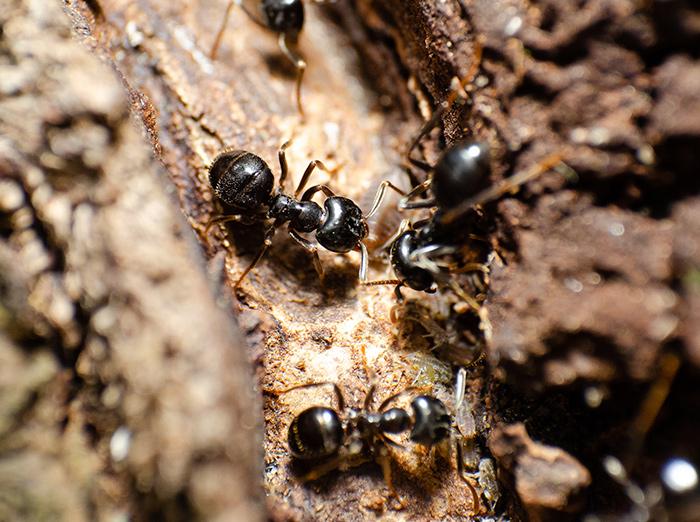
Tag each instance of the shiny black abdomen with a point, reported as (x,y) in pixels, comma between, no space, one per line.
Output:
(405,269)
(283,16)
(343,227)
(241,180)
(431,422)
(460,173)
(315,433)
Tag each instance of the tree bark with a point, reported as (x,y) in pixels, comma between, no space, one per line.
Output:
(124,377)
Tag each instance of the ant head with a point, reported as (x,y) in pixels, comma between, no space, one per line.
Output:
(459,173)
(284,16)
(315,433)
(405,268)
(344,225)
(241,180)
(431,422)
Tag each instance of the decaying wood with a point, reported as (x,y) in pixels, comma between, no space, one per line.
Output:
(119,360)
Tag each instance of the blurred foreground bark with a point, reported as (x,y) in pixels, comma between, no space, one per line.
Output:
(125,390)
(126,387)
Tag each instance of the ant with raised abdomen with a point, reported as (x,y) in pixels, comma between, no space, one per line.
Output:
(244,183)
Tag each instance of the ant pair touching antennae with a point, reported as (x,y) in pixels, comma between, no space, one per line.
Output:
(284,17)
(244,183)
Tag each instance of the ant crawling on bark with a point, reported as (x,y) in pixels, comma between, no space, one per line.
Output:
(416,248)
(244,183)
(284,17)
(347,437)
(454,182)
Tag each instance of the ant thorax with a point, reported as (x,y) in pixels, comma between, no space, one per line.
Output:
(357,432)
(303,216)
(361,428)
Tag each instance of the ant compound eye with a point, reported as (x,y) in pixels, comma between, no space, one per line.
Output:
(315,433)
(431,421)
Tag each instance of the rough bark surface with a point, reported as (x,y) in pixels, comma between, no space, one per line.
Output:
(117,355)
(125,388)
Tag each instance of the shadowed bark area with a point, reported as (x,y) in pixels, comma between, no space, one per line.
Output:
(128,383)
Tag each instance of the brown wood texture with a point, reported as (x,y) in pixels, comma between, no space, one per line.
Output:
(128,383)
(117,351)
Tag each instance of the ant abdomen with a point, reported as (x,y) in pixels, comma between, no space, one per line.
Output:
(241,180)
(315,433)
(431,422)
(460,173)
(344,225)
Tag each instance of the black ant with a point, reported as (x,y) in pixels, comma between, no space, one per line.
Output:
(348,437)
(454,182)
(244,184)
(284,17)
(415,247)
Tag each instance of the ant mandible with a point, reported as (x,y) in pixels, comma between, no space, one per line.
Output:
(284,17)
(244,183)
(350,436)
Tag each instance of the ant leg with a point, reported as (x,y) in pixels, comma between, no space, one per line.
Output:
(507,185)
(371,377)
(405,391)
(405,203)
(653,401)
(379,196)
(266,244)
(384,461)
(403,226)
(299,63)
(307,173)
(391,442)
(284,167)
(219,221)
(322,469)
(317,188)
(471,267)
(336,389)
(473,304)
(311,248)
(476,505)
(222,30)
(456,94)
(364,261)
(397,292)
